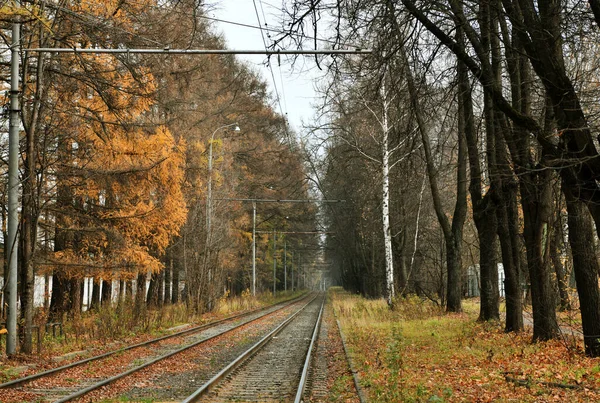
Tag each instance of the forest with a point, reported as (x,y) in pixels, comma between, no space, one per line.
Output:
(466,140)
(464,147)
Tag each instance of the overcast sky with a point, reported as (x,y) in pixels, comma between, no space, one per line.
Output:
(295,86)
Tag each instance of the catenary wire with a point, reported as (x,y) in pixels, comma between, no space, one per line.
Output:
(270,65)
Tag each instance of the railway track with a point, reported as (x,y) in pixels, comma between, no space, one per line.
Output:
(274,369)
(72,381)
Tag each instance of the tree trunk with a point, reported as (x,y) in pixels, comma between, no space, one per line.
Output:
(152,299)
(385,213)
(27,287)
(59,299)
(453,282)
(454,242)
(489,204)
(129,291)
(106,296)
(140,295)
(27,246)
(161,288)
(121,293)
(485,220)
(401,243)
(95,294)
(585,266)
(556,250)
(536,202)
(484,213)
(175,291)
(75,298)
(507,213)
(46,291)
(168,270)
(510,260)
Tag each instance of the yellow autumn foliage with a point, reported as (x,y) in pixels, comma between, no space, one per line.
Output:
(124,173)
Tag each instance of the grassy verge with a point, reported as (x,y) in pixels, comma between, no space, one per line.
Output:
(417,353)
(229,305)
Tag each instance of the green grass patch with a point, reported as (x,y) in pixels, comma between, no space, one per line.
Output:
(417,353)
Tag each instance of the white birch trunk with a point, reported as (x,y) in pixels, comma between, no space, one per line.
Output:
(387,234)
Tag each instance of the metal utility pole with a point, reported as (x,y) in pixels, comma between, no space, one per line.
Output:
(13,190)
(253,249)
(285,265)
(274,262)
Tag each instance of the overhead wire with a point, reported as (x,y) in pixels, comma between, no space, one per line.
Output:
(270,65)
(277,31)
(260,2)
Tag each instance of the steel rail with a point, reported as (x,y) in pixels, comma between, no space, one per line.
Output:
(304,376)
(20,381)
(194,397)
(355,377)
(110,380)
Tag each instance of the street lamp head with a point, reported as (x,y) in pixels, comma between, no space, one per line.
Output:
(236,128)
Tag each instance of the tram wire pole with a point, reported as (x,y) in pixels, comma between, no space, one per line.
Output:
(13,189)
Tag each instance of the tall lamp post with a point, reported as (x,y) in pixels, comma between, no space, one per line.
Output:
(208,243)
(236,129)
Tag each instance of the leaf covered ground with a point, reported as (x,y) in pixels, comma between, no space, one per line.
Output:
(417,353)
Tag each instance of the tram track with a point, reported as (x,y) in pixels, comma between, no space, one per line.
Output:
(276,368)
(64,383)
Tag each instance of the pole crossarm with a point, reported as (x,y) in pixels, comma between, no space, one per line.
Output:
(169,51)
